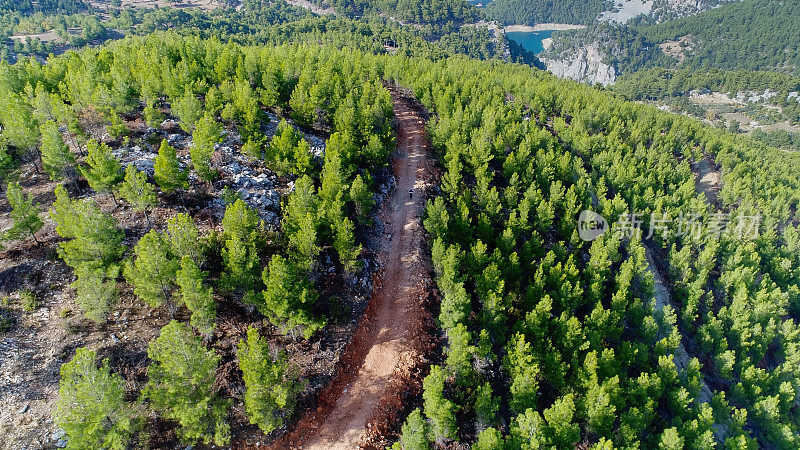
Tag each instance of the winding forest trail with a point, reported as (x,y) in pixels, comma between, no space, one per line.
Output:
(390,340)
(663,298)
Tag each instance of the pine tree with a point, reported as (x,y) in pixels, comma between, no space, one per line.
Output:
(438,410)
(168,173)
(181,386)
(345,245)
(528,431)
(303,242)
(206,135)
(6,161)
(524,374)
(91,406)
(331,191)
(64,211)
(670,440)
(242,234)
(288,297)
(303,164)
(152,272)
(375,152)
(282,149)
(114,125)
(489,439)
(57,160)
(560,418)
(152,116)
(19,124)
(486,407)
(300,223)
(362,198)
(302,201)
(197,297)
(436,218)
(189,110)
(24,214)
(184,238)
(252,147)
(455,305)
(241,264)
(94,293)
(271,390)
(94,238)
(414,433)
(137,191)
(459,350)
(341,151)
(103,171)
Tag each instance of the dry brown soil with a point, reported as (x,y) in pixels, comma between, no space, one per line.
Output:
(709,179)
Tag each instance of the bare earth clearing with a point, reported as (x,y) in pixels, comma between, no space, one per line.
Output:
(709,179)
(625,10)
(316,9)
(391,341)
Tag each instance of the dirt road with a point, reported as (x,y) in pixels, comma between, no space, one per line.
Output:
(390,337)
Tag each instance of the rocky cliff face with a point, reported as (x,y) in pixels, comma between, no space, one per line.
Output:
(664,10)
(584,64)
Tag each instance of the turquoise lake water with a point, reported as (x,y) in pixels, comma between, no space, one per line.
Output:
(530,40)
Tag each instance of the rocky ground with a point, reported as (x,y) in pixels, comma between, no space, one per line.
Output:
(34,342)
(582,64)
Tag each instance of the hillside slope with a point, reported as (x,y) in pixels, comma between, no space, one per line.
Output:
(748,35)
(676,327)
(753,35)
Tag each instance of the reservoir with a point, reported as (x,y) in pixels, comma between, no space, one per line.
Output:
(530,40)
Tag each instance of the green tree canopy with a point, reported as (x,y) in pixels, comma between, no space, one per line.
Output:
(57,159)
(94,238)
(197,297)
(168,173)
(439,410)
(271,388)
(189,110)
(288,297)
(137,191)
(152,272)
(242,234)
(184,238)
(24,214)
(181,386)
(94,292)
(414,433)
(102,170)
(91,405)
(206,135)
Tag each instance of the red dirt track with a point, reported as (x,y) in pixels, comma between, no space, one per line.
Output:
(383,364)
